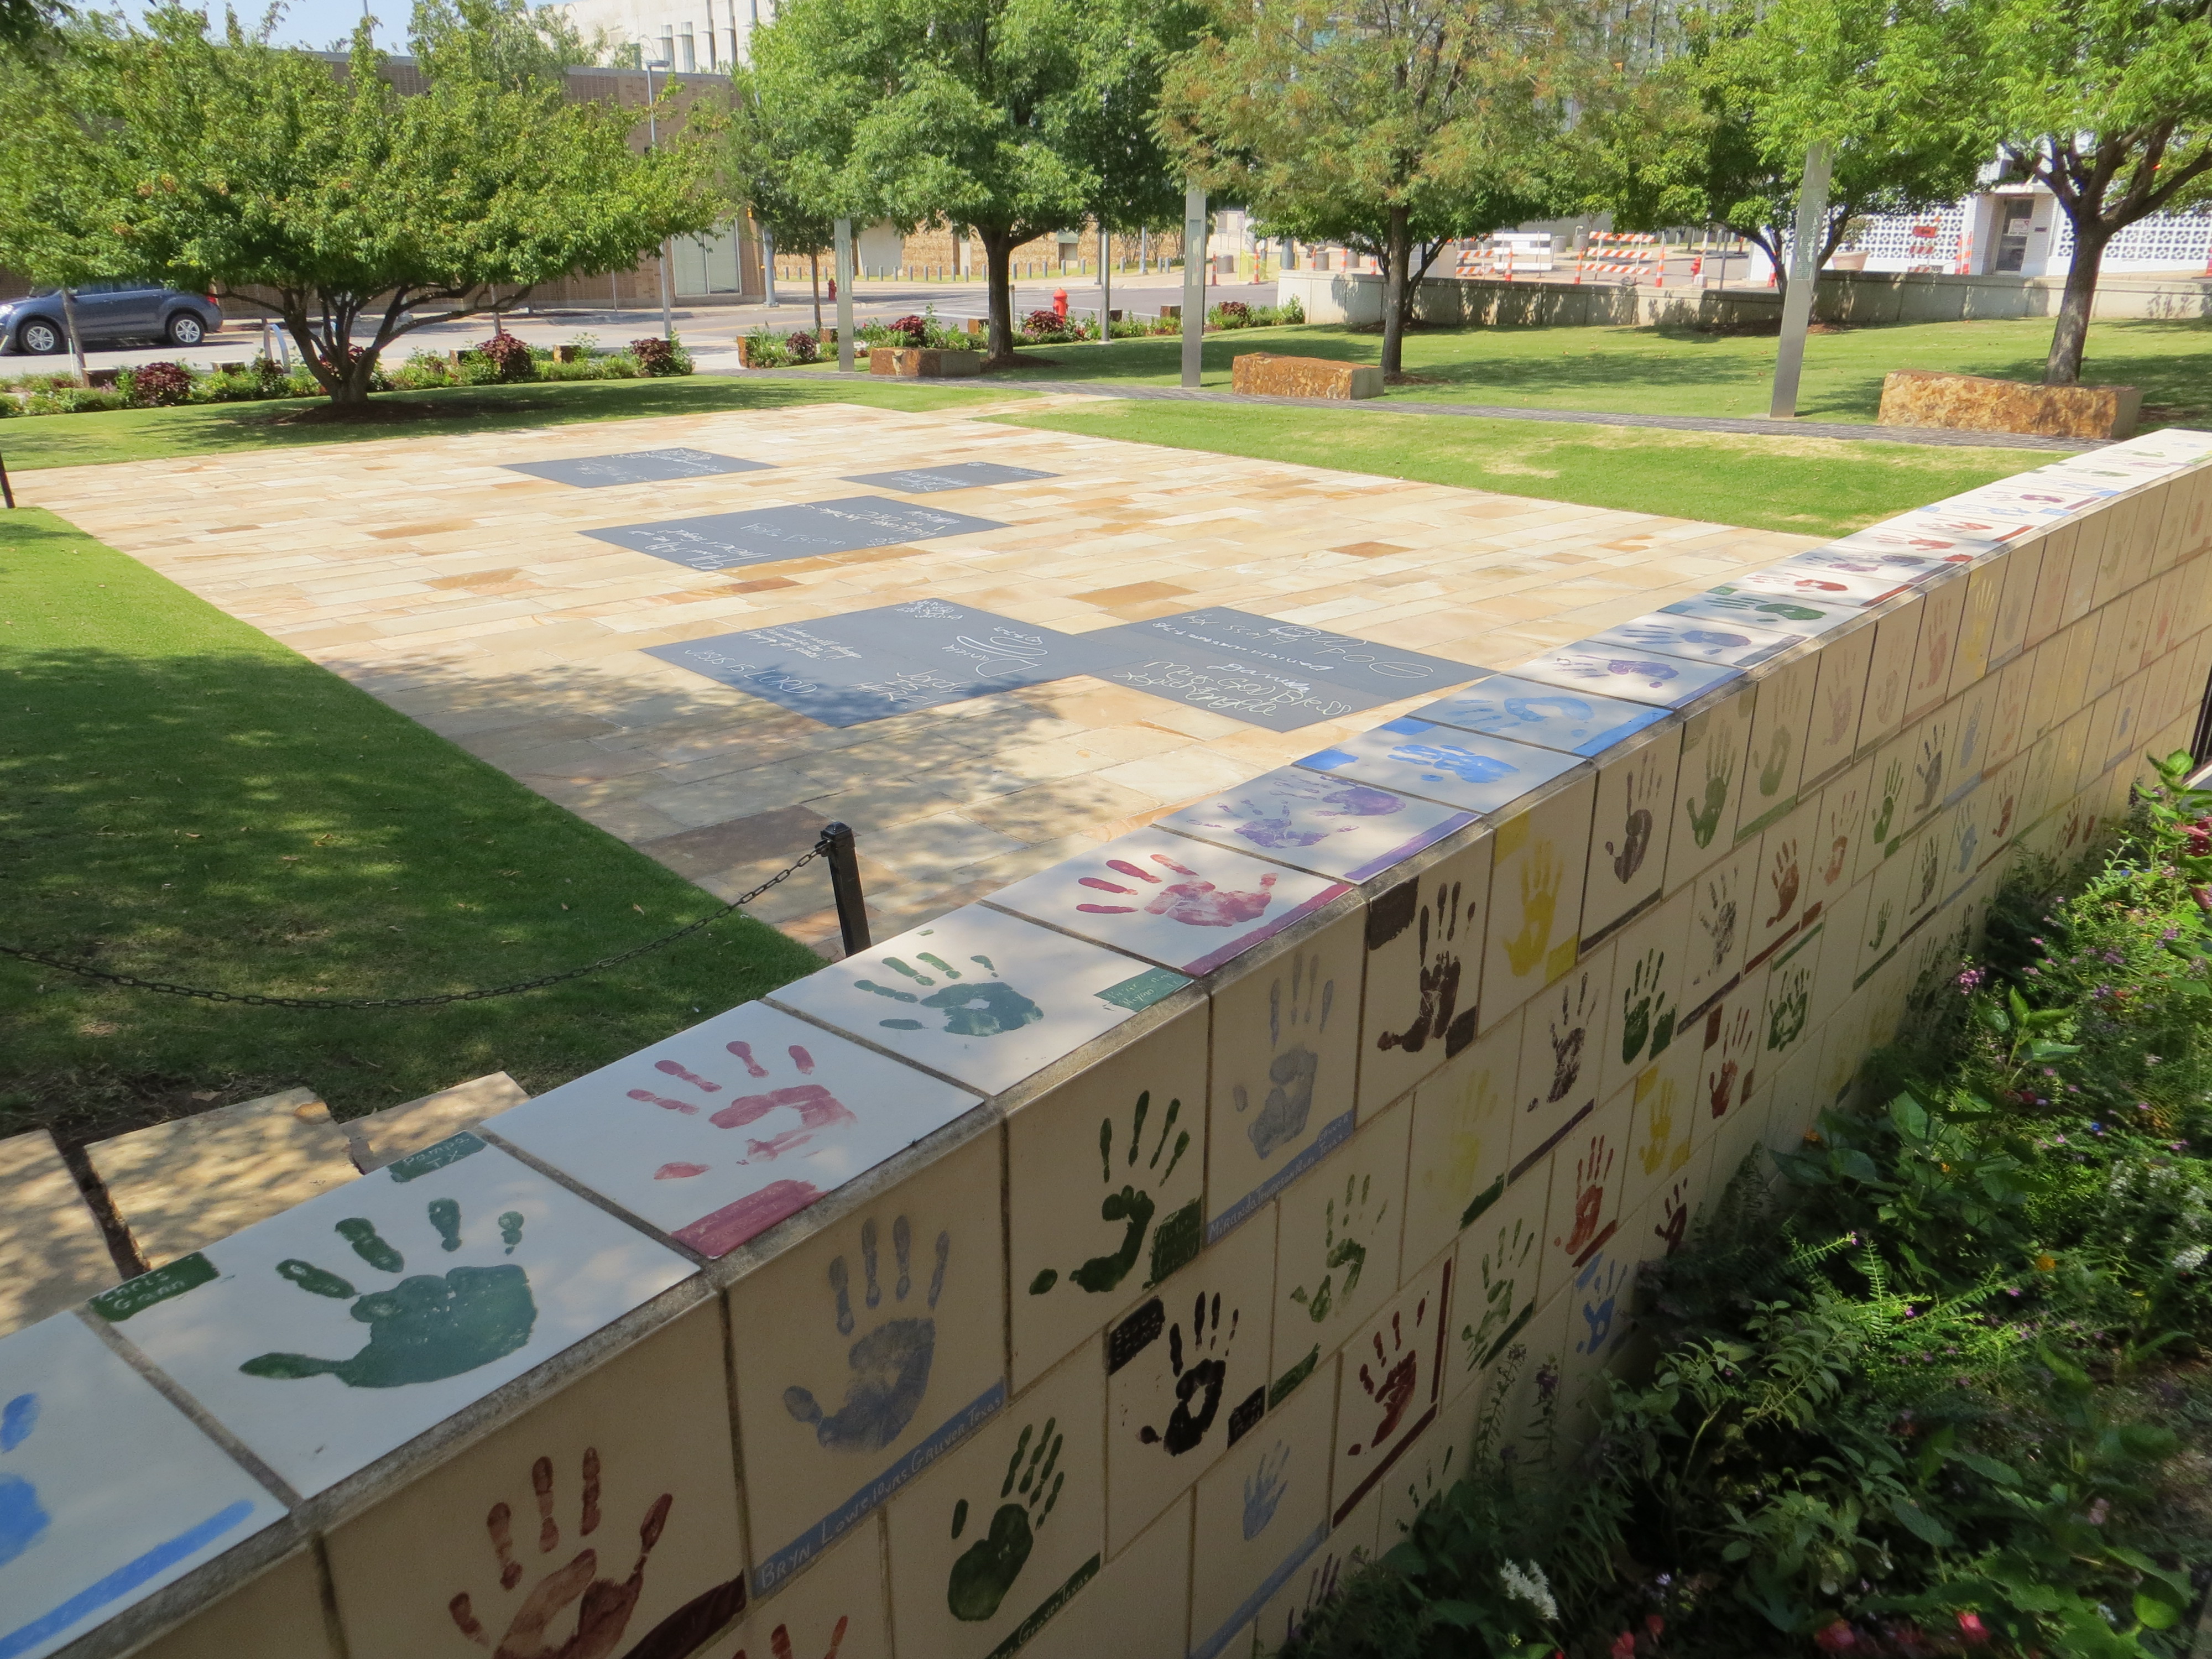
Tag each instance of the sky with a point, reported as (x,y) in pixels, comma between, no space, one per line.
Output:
(313,23)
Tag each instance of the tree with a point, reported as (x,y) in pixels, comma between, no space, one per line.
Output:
(1006,118)
(501,41)
(2108,104)
(260,171)
(1716,132)
(776,171)
(1392,126)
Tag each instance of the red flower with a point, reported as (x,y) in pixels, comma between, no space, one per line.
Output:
(1972,1631)
(1623,1645)
(1655,1623)
(1838,1638)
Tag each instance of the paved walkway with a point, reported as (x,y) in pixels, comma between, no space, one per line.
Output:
(463,594)
(1759,428)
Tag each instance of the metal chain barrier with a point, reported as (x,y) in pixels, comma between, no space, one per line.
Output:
(829,846)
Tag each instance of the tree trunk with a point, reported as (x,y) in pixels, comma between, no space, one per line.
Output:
(814,280)
(2068,339)
(998,283)
(1397,296)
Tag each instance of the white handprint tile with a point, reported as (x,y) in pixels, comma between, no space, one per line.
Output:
(1425,939)
(1729,604)
(1106,1189)
(1348,1547)
(991,1545)
(1529,711)
(1462,1138)
(1540,861)
(108,1492)
(1783,877)
(1636,676)
(1590,1171)
(1781,727)
(1185,904)
(1285,1055)
(1840,696)
(1820,582)
(1841,825)
(1720,927)
(717,1134)
(2054,579)
(1186,1379)
(1331,826)
(984,997)
(1629,835)
(1501,1258)
(1896,640)
(1460,769)
(1941,613)
(1337,1248)
(335,1332)
(1562,1037)
(866,1353)
(1139,1606)
(834,1610)
(591,1519)
(1709,786)
(1263,1512)
(2022,569)
(280,1610)
(1663,1124)
(1650,965)
(1391,1382)
(1844,917)
(1732,644)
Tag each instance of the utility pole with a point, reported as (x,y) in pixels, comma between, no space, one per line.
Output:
(1105,281)
(1804,277)
(768,264)
(653,142)
(845,295)
(1194,282)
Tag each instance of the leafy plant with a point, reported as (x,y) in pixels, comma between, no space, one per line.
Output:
(157,386)
(509,358)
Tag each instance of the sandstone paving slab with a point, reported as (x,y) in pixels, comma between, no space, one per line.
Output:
(53,1253)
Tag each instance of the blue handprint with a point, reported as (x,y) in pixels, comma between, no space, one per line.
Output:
(1461,763)
(22,1521)
(1598,1287)
(890,1364)
(1264,1489)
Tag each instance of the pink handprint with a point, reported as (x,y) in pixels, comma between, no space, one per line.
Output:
(1196,902)
(816,1107)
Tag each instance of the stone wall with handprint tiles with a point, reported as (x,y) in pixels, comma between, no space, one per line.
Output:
(1106,1267)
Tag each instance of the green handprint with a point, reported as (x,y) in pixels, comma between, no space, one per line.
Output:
(986,1009)
(1540,901)
(986,1569)
(1347,1252)
(1178,1237)
(1893,786)
(424,1328)
(1881,917)
(1720,773)
(1639,1019)
(1787,1022)
(1500,1268)
(1778,762)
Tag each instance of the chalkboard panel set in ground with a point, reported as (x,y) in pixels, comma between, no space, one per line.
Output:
(869,664)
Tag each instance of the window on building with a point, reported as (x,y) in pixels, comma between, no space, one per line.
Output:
(2015,213)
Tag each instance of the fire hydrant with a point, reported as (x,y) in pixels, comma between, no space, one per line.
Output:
(1059,303)
(833,288)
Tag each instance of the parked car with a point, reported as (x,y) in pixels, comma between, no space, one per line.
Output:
(120,309)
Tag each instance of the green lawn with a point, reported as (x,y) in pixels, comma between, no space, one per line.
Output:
(1812,486)
(183,798)
(1646,371)
(140,434)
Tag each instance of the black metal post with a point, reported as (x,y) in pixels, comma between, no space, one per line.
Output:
(7,489)
(845,884)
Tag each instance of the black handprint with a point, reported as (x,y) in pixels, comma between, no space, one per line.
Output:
(1930,770)
(1570,1029)
(1200,1371)
(1435,1014)
(1636,832)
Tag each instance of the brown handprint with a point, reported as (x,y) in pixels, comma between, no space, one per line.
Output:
(1674,1217)
(1783,878)
(1194,902)
(1718,919)
(1636,831)
(1591,1171)
(603,1606)
(1839,849)
(1841,708)
(1539,903)
(1439,1008)
(1392,1378)
(1720,1082)
(1570,1031)
(1928,768)
(779,1641)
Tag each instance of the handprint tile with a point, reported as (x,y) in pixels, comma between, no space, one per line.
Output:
(1345,830)
(336,1331)
(1716,746)
(1782,720)
(1930,679)
(989,1546)
(1896,641)
(1630,832)
(1839,827)
(1462,1140)
(1186,1379)
(1390,1384)
(1262,1514)
(1425,939)
(1538,867)
(834,1610)
(1562,1034)
(1970,656)
(981,996)
(1139,1603)
(716,1135)
(1732,644)
(1784,880)
(1839,696)
(1500,1261)
(1589,1173)
(1186,904)
(1599,1320)
(1788,998)
(1441,763)
(1529,711)
(1106,1195)
(108,1492)
(1662,1127)
(1729,1064)
(865,1352)
(1720,928)
(2022,569)
(1350,1545)
(1631,676)
(1729,604)
(1286,1053)
(1337,1248)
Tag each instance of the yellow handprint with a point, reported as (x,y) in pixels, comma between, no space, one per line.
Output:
(1653,1153)
(1539,903)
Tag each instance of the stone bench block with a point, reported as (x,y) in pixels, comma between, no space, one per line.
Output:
(924,362)
(1264,374)
(180,1185)
(1973,403)
(52,1254)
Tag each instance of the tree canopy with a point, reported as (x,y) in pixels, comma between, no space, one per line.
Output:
(1392,126)
(316,190)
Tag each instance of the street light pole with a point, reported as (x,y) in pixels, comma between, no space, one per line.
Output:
(653,142)
(844,234)
(1804,277)
(1194,282)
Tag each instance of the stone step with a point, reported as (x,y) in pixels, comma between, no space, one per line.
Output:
(53,1252)
(378,1139)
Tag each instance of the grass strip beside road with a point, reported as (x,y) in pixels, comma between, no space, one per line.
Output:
(183,798)
(1807,486)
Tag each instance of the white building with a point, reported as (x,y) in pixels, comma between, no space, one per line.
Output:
(694,36)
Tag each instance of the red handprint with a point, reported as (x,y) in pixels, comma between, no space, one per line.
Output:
(1196,902)
(1591,1170)
(1400,1371)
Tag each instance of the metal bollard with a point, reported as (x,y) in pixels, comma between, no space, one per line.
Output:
(7,489)
(845,885)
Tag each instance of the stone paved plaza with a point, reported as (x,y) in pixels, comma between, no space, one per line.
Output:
(468,596)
